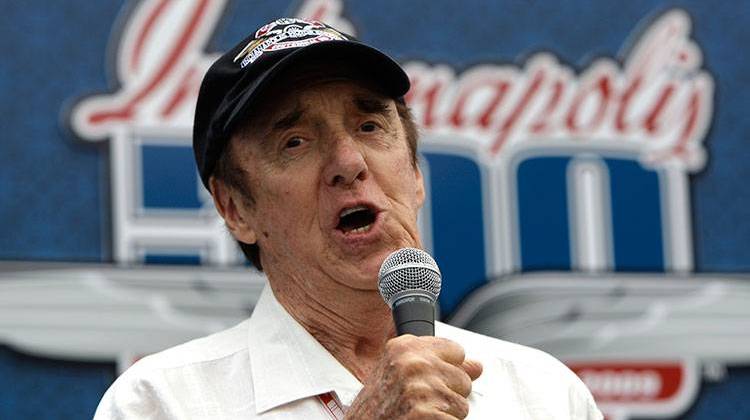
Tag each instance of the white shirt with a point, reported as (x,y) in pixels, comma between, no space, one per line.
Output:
(270,367)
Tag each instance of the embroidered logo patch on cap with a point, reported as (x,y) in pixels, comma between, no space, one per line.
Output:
(286,33)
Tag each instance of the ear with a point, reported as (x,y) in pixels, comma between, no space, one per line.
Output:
(420,186)
(232,209)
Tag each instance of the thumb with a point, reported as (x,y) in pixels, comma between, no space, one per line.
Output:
(473,368)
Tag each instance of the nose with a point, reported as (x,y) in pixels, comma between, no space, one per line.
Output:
(346,162)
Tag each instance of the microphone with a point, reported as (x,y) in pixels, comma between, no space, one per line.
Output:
(409,281)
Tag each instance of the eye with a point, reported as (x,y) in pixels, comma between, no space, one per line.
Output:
(368,127)
(294,142)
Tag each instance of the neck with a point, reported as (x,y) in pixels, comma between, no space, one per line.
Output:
(354,327)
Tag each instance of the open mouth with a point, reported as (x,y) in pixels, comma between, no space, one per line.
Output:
(357,219)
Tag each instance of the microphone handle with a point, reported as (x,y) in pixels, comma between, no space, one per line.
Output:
(414,314)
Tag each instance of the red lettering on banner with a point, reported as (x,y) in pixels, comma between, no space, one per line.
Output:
(485,120)
(631,382)
(541,122)
(652,121)
(620,124)
(693,109)
(499,89)
(515,115)
(602,92)
(135,58)
(427,94)
(188,87)
(127,110)
(656,99)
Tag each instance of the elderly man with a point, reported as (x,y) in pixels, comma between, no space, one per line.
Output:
(303,138)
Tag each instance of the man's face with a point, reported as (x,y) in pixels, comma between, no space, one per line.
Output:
(333,183)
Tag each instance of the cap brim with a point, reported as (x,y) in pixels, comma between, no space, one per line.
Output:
(375,66)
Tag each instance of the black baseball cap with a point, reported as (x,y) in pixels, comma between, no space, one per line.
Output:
(239,77)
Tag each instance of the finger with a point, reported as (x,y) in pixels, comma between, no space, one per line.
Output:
(448,350)
(436,415)
(456,379)
(473,368)
(454,404)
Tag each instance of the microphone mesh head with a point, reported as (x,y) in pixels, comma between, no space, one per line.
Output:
(408,271)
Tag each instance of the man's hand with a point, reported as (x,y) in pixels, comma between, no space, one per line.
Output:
(418,378)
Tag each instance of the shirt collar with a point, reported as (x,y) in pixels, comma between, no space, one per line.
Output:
(288,363)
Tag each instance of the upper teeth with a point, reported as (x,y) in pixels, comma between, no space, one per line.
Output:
(351,210)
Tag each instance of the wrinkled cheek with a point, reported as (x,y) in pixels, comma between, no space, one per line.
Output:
(286,225)
(279,244)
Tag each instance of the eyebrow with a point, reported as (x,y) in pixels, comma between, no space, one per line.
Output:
(371,105)
(289,120)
